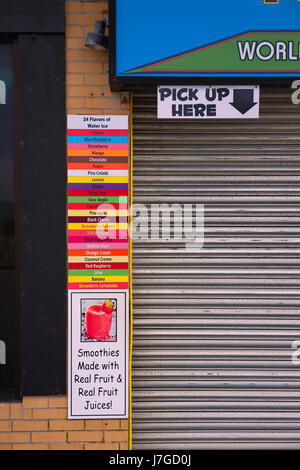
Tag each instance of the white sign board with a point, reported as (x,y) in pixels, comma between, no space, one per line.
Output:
(102,122)
(98,266)
(98,368)
(208,102)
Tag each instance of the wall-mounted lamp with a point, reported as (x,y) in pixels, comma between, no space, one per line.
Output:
(97,39)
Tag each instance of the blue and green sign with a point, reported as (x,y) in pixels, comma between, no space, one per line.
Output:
(171,38)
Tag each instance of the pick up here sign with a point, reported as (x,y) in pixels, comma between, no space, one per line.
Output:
(208,102)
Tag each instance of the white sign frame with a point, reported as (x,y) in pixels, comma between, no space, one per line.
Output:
(208,102)
(113,404)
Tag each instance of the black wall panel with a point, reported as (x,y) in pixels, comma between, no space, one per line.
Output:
(27,16)
(42,212)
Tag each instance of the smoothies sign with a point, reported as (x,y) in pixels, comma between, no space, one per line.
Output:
(97,148)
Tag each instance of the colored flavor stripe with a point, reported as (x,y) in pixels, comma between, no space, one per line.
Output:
(98,179)
(95,194)
(78,236)
(98,272)
(100,259)
(98,279)
(94,140)
(83,236)
(99,153)
(97,246)
(82,159)
(90,146)
(84,253)
(91,237)
(106,259)
(89,216)
(117,262)
(100,210)
(102,205)
(73,200)
(98,166)
(102,220)
(102,266)
(98,173)
(112,132)
(72,207)
(113,215)
(89,230)
(93,226)
(95,186)
(98,285)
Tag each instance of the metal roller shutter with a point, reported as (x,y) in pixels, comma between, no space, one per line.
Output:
(213,329)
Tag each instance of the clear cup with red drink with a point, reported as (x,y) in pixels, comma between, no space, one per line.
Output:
(98,320)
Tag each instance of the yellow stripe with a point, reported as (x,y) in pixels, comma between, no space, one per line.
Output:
(97,179)
(130,276)
(100,225)
(103,278)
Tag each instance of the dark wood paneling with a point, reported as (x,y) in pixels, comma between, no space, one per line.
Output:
(42,192)
(27,16)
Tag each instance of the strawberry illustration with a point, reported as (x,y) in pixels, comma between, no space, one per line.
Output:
(108,307)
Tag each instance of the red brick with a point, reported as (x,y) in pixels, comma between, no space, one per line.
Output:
(113,436)
(7,437)
(124,424)
(75,102)
(4,410)
(5,425)
(5,446)
(35,402)
(111,424)
(58,402)
(102,446)
(124,446)
(27,414)
(30,446)
(15,410)
(96,79)
(75,31)
(50,413)
(49,437)
(66,446)
(72,7)
(30,425)
(95,6)
(85,436)
(83,67)
(74,79)
(66,425)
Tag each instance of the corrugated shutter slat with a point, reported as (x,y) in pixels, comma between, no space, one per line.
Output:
(213,329)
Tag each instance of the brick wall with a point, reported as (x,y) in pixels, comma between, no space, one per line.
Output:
(87,70)
(40,423)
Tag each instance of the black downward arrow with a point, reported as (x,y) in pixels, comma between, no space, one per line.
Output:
(243,100)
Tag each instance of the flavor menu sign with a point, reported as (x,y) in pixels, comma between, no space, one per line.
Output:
(97,150)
